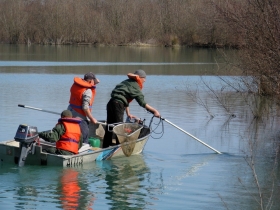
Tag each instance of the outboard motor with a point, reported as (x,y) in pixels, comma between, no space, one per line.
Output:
(26,136)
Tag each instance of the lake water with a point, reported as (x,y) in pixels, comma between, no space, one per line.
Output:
(175,171)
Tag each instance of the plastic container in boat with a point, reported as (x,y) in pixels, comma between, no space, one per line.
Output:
(94,142)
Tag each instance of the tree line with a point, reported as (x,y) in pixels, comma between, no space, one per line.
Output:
(114,22)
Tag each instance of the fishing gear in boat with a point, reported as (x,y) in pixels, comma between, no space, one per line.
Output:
(127,134)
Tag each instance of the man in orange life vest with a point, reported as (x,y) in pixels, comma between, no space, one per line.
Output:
(81,101)
(67,135)
(121,96)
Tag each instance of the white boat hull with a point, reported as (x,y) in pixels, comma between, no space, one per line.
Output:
(10,152)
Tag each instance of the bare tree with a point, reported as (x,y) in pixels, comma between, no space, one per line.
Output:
(256,23)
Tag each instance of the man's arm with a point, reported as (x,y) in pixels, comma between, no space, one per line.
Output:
(86,101)
(53,135)
(89,115)
(128,113)
(153,110)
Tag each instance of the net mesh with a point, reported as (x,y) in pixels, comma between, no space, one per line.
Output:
(127,134)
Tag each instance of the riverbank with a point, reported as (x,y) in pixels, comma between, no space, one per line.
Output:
(135,44)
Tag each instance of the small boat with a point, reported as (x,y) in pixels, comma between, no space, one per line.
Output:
(27,148)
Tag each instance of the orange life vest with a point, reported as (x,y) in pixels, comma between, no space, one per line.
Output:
(76,97)
(69,141)
(137,79)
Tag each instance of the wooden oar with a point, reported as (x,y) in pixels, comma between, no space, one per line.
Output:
(42,110)
(191,135)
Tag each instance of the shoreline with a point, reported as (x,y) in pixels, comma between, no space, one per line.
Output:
(136,44)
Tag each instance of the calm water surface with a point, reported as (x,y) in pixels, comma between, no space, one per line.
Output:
(174,172)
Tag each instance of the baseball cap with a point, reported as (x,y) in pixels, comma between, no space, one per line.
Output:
(141,73)
(89,75)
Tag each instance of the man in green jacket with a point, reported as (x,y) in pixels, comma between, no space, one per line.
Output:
(121,96)
(67,135)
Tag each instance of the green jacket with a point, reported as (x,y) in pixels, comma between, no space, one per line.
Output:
(128,90)
(54,135)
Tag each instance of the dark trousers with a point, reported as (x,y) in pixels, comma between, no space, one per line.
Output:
(115,113)
(85,130)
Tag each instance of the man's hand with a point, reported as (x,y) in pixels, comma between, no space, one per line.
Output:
(93,120)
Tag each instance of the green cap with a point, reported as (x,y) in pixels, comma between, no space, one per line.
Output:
(66,113)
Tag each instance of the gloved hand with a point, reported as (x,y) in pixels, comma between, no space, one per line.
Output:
(40,134)
(44,134)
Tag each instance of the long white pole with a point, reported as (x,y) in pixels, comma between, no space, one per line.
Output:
(38,109)
(42,110)
(191,135)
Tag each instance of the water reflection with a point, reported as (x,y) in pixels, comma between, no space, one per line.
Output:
(123,177)
(33,187)
(45,63)
(110,60)
(73,193)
